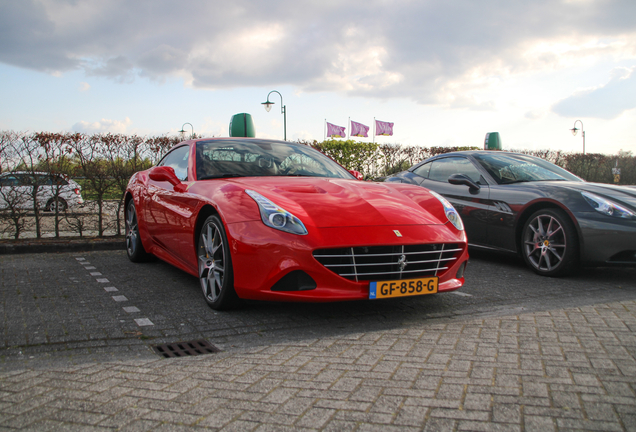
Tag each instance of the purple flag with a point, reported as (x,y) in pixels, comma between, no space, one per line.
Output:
(335,131)
(383,128)
(358,129)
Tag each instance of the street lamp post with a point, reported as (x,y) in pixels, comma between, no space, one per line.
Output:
(183,129)
(283,110)
(575,130)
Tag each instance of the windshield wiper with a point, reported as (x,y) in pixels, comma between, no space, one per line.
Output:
(515,181)
(218,176)
(538,180)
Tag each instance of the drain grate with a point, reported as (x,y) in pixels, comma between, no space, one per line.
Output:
(185,349)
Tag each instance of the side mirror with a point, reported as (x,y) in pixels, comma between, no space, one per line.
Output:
(358,175)
(164,173)
(462,179)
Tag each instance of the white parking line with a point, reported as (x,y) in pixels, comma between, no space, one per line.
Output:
(459,293)
(142,322)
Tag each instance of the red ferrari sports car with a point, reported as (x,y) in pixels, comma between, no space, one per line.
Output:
(272,220)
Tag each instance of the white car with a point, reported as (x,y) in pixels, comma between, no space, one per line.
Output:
(53,190)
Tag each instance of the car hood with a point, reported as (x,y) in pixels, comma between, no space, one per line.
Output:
(620,194)
(326,202)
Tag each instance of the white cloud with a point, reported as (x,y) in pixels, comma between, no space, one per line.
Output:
(119,68)
(605,102)
(84,87)
(430,52)
(535,114)
(454,69)
(102,126)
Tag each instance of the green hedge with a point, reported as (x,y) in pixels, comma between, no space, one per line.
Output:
(374,160)
(592,167)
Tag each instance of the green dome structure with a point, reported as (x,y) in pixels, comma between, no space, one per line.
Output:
(242,125)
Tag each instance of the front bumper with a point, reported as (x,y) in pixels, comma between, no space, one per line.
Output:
(259,264)
(606,240)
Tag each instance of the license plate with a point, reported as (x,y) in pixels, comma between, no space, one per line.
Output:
(403,287)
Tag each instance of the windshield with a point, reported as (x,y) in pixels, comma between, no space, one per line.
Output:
(249,158)
(515,168)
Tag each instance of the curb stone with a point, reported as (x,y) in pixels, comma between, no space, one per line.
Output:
(62,244)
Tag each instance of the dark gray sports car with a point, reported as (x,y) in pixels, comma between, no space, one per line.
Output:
(523,204)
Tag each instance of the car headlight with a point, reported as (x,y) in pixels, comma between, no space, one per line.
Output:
(607,207)
(277,217)
(450,211)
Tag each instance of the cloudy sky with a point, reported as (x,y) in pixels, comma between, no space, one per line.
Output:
(445,72)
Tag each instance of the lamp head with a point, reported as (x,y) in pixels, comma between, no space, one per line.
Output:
(574,131)
(267,105)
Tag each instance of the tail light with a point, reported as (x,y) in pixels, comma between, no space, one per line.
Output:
(77,191)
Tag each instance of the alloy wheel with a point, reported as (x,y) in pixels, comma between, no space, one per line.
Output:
(545,243)
(132,229)
(211,261)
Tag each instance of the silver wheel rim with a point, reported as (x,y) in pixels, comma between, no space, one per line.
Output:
(211,262)
(545,243)
(132,229)
(56,206)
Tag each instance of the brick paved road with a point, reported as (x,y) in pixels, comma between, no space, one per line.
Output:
(514,352)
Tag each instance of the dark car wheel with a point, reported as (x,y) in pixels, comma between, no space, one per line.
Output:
(134,247)
(550,244)
(215,266)
(58,203)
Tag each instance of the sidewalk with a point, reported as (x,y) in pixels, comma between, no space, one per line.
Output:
(61,244)
(571,369)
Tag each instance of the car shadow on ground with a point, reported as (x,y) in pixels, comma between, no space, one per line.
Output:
(582,271)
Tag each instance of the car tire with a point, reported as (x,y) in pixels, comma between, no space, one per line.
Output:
(56,202)
(215,266)
(134,247)
(550,244)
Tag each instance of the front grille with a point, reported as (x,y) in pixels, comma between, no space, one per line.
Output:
(379,263)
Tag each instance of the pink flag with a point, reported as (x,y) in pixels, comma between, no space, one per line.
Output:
(358,129)
(383,128)
(335,131)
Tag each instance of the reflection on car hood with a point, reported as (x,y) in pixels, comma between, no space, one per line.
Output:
(328,202)
(620,194)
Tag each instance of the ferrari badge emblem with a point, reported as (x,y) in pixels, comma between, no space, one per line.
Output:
(402,262)
(397,233)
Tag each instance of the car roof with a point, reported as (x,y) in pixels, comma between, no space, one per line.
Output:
(238,139)
(477,152)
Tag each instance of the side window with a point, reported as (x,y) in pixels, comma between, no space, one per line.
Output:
(8,181)
(422,170)
(50,180)
(24,180)
(177,159)
(58,180)
(441,169)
